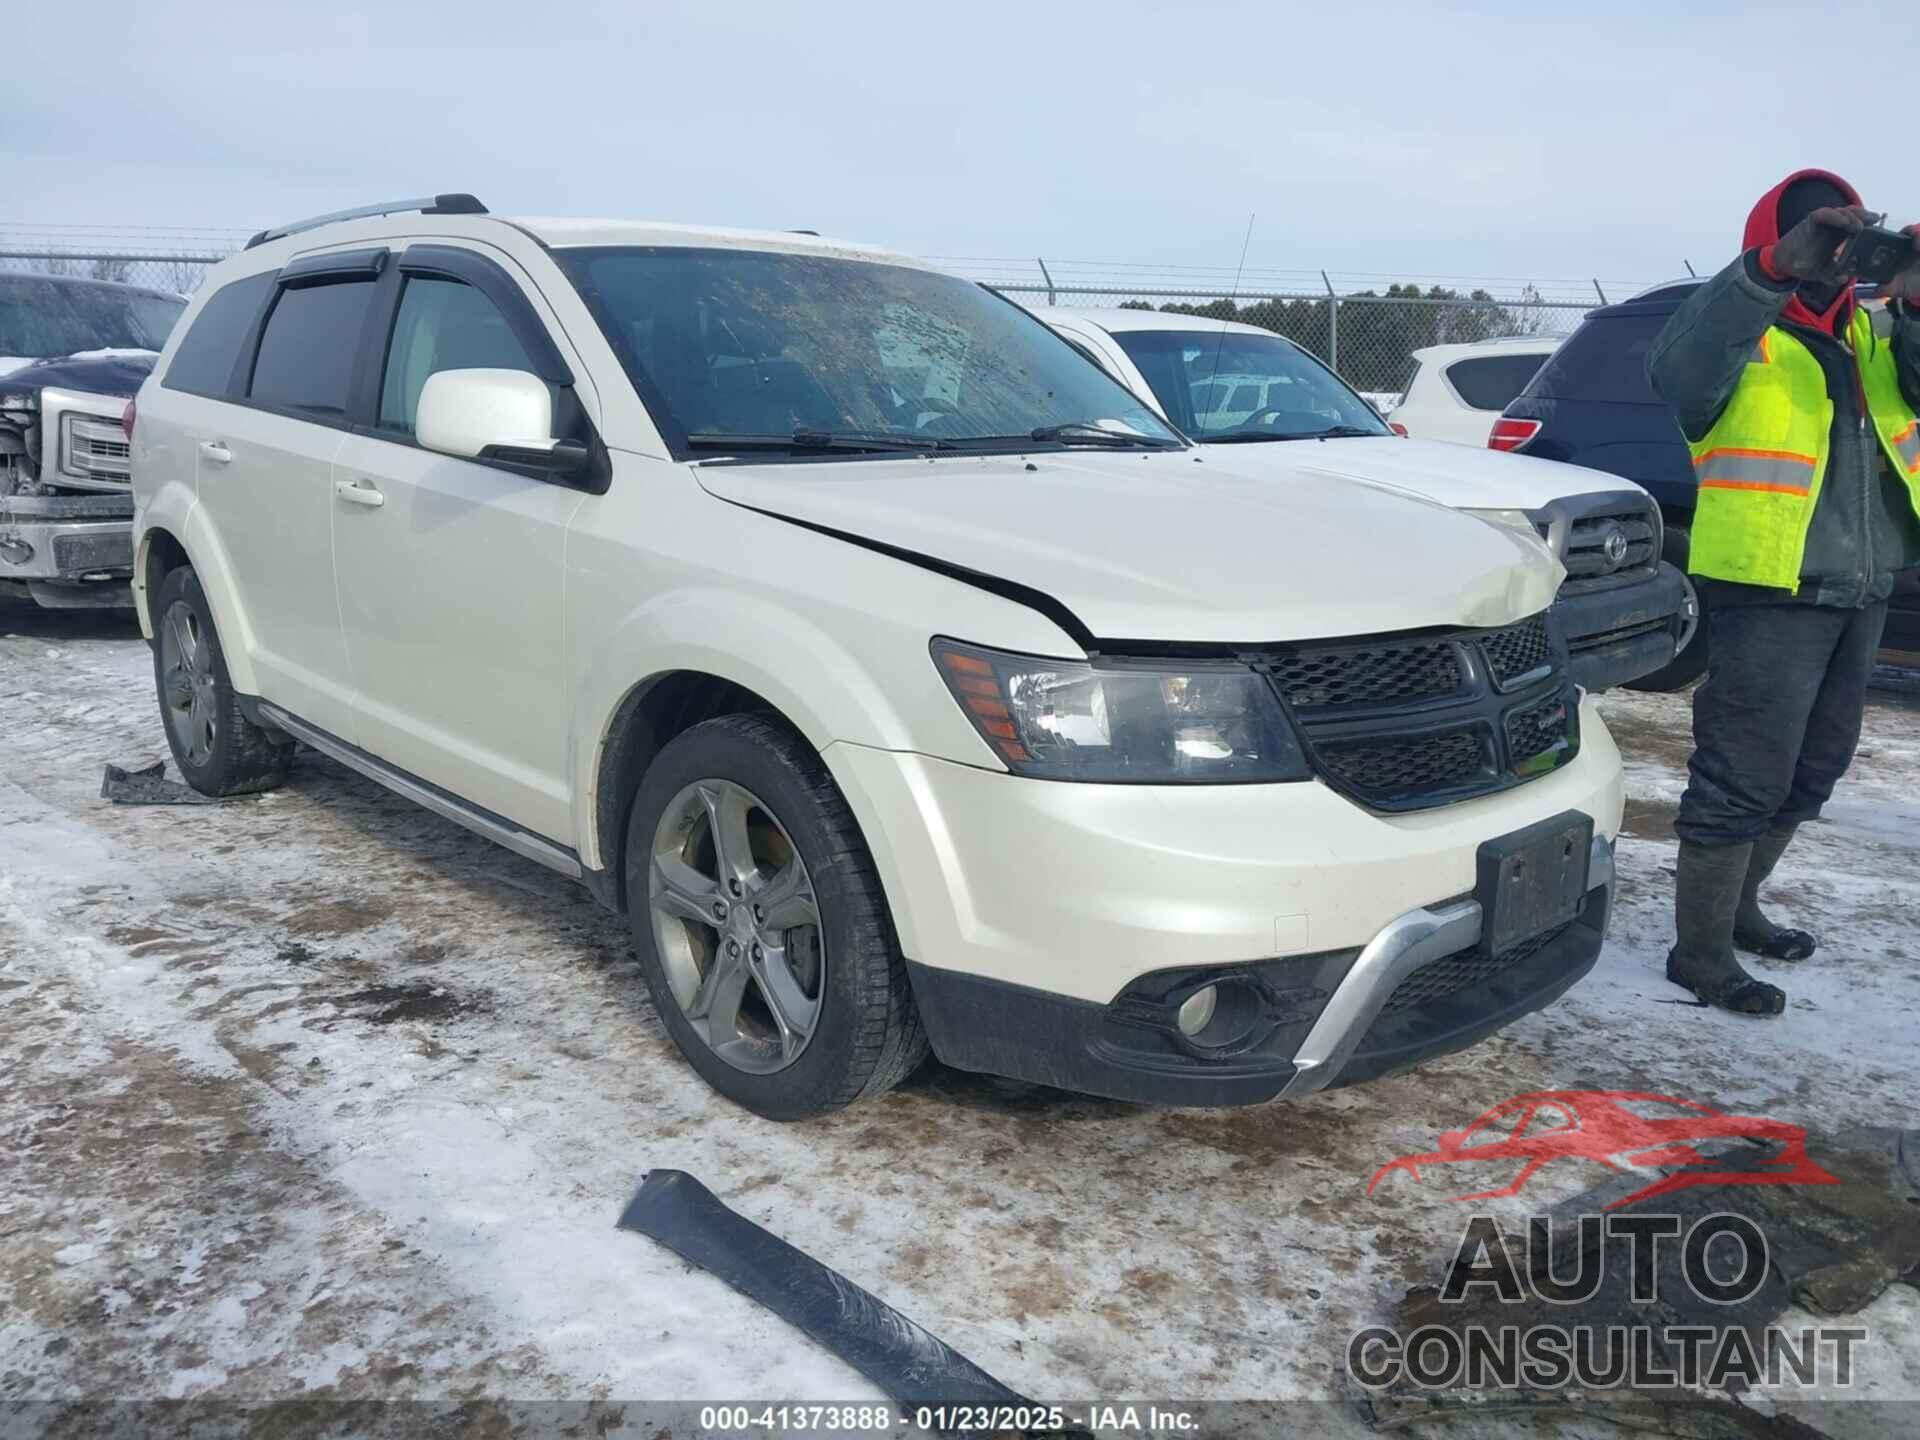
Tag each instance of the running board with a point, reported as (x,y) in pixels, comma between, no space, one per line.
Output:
(496,828)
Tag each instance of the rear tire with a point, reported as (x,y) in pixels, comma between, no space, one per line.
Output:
(809,1010)
(216,748)
(1691,663)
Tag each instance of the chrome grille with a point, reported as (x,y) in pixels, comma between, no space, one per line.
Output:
(94,449)
(1612,546)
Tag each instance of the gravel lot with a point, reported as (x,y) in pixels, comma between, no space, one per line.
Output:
(315,1095)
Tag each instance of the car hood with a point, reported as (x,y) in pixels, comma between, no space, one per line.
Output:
(1458,475)
(93,372)
(1176,546)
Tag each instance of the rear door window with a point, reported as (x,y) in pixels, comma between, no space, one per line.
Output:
(1606,359)
(1490,382)
(210,351)
(442,325)
(308,348)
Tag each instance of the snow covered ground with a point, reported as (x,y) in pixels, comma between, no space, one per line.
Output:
(316,1094)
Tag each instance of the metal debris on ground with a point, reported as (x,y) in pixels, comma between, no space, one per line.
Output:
(149,786)
(908,1363)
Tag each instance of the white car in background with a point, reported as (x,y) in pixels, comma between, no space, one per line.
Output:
(1458,391)
(1622,610)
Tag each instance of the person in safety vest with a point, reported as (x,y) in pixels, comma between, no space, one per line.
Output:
(1799,407)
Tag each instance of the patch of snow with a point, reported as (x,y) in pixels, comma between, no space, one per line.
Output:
(182,1383)
(424,1208)
(74,1254)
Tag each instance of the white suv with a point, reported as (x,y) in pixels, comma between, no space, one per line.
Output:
(903,678)
(1625,613)
(1458,391)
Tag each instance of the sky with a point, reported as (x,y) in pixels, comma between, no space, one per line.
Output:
(1500,139)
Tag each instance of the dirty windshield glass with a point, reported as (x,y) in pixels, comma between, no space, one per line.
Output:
(1215,384)
(41,317)
(730,344)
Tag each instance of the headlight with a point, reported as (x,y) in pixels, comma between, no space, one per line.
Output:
(1513,520)
(1124,722)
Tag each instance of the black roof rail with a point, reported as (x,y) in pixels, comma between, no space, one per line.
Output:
(455,204)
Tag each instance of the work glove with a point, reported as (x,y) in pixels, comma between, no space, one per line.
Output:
(1810,250)
(1905,286)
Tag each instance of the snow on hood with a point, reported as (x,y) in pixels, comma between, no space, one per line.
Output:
(123,353)
(10,363)
(1460,476)
(1180,546)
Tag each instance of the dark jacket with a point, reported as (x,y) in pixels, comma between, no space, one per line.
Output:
(1864,528)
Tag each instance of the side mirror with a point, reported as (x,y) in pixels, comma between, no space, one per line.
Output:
(500,415)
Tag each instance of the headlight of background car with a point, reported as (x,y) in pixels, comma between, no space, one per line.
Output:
(1513,520)
(1138,723)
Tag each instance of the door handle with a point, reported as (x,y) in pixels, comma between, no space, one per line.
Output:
(359,492)
(216,452)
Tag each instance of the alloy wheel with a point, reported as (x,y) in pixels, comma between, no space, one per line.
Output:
(187,691)
(737,926)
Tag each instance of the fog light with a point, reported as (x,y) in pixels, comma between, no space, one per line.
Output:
(1196,1012)
(14,550)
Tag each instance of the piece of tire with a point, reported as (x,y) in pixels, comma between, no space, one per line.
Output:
(1691,663)
(245,758)
(868,1037)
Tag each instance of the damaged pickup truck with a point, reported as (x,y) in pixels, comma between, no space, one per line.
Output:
(72,352)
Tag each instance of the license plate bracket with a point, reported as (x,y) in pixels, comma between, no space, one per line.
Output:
(1533,880)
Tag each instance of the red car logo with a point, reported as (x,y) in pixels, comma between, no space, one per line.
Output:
(1623,1130)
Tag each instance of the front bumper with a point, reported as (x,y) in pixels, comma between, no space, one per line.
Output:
(1417,990)
(57,546)
(1620,633)
(1028,908)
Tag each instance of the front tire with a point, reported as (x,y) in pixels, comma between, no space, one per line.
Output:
(216,748)
(761,926)
(1691,662)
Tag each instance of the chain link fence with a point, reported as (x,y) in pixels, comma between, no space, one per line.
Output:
(1365,327)
(176,274)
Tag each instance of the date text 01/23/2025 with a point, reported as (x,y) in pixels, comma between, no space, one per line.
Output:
(942,1419)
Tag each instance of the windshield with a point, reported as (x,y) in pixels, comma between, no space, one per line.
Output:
(734,345)
(1255,387)
(43,316)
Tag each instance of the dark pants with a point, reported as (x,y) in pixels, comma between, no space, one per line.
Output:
(1776,720)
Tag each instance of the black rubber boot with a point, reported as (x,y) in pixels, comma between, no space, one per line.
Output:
(1752,930)
(1706,895)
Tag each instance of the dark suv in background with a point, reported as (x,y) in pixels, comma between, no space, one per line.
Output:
(1591,404)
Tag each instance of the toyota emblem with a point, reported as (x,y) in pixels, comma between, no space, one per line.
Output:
(1614,547)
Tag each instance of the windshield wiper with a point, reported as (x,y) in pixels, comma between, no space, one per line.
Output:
(1081,432)
(807,439)
(1332,432)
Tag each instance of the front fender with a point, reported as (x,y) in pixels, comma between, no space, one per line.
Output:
(826,690)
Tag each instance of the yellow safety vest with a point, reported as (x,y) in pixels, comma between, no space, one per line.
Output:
(1761,466)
